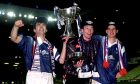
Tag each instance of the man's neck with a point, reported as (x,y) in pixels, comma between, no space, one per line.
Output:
(42,37)
(112,40)
(86,39)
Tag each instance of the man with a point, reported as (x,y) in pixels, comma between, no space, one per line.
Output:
(112,63)
(81,52)
(38,52)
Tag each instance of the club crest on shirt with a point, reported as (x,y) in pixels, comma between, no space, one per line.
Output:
(117,51)
(111,57)
(43,52)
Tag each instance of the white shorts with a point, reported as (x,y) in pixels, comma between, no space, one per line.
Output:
(95,82)
(34,77)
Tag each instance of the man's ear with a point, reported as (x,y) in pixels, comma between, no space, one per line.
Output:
(34,30)
(117,31)
(81,30)
(46,30)
(106,31)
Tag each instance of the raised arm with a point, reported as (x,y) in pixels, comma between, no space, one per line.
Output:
(63,53)
(14,32)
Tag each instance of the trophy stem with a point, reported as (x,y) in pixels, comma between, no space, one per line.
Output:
(68,29)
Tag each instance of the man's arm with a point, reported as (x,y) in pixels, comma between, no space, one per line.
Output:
(14,32)
(125,64)
(63,53)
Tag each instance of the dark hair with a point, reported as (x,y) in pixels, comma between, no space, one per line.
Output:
(112,23)
(86,22)
(40,20)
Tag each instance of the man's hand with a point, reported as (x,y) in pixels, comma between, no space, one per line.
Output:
(18,23)
(65,39)
(118,75)
(79,64)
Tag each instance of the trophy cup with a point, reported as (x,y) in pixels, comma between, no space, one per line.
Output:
(66,17)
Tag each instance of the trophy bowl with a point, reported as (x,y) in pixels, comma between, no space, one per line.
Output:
(70,13)
(66,17)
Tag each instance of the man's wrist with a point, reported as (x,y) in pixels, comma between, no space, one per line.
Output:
(15,26)
(79,68)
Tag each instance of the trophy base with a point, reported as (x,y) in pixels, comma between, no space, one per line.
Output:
(77,56)
(70,36)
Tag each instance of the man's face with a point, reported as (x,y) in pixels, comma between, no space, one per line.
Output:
(40,28)
(111,31)
(87,31)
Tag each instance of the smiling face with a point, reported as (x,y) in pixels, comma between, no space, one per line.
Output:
(87,32)
(111,31)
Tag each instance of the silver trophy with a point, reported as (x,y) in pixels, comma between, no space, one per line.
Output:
(66,17)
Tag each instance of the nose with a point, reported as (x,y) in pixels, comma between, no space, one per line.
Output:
(90,30)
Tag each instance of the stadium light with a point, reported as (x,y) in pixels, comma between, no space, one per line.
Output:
(11,14)
(50,19)
(6,63)
(30,16)
(20,15)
